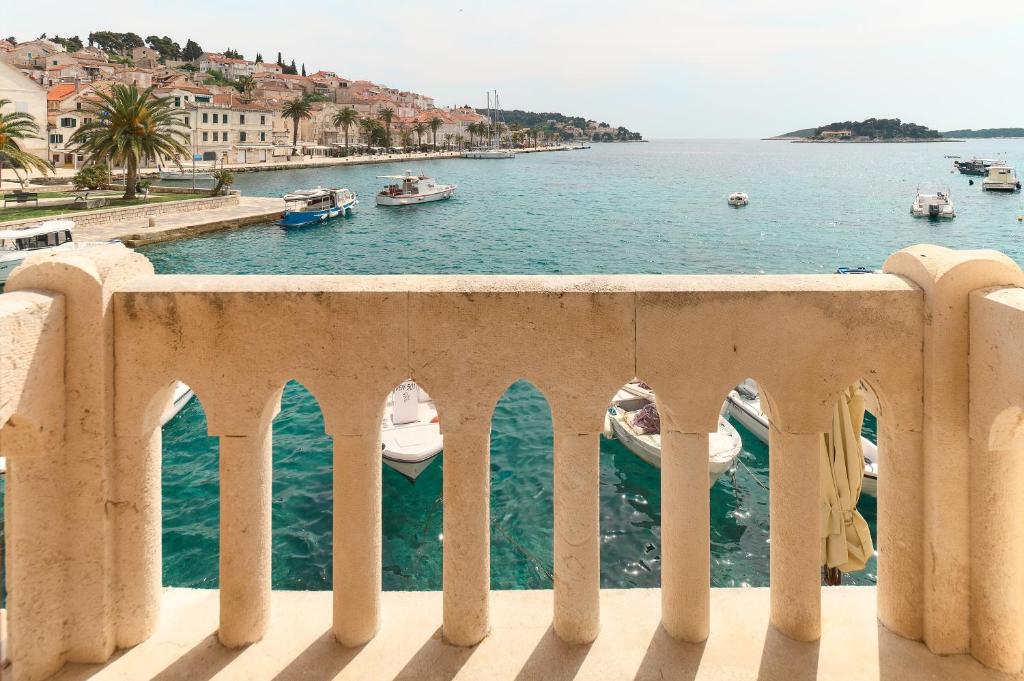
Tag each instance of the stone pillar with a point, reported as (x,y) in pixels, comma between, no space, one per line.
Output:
(900,530)
(577,541)
(466,574)
(139,548)
(685,536)
(795,513)
(357,538)
(245,542)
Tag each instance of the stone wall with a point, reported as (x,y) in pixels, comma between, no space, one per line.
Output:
(107,215)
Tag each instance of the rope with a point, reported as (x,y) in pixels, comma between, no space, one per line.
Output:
(752,474)
(522,551)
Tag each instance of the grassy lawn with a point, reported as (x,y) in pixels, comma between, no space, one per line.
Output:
(28,212)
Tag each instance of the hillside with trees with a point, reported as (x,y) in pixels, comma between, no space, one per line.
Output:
(985,133)
(880,129)
(554,122)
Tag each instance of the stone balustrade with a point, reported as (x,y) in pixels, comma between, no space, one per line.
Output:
(94,342)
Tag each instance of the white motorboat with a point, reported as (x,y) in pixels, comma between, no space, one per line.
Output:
(181,397)
(744,405)
(738,199)
(937,205)
(627,420)
(183,174)
(489,153)
(47,237)
(1000,178)
(409,189)
(410,435)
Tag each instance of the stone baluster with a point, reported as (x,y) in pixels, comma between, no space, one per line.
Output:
(466,574)
(245,541)
(795,513)
(686,536)
(357,537)
(577,542)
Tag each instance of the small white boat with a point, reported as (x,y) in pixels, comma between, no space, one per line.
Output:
(744,405)
(411,189)
(181,397)
(1000,178)
(185,174)
(937,205)
(410,435)
(48,236)
(625,421)
(738,199)
(305,207)
(489,153)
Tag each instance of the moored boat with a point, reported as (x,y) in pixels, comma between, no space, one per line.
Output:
(198,173)
(182,395)
(744,407)
(46,237)
(937,205)
(410,434)
(311,206)
(975,166)
(1000,178)
(738,199)
(633,420)
(489,153)
(409,189)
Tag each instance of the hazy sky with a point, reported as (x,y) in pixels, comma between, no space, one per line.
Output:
(668,69)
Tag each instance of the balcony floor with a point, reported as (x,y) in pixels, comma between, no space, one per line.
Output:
(522,645)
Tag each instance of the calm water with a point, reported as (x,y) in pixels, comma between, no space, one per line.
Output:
(657,207)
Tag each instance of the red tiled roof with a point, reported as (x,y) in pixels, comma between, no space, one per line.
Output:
(59,92)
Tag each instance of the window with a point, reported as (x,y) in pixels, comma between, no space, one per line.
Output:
(226,137)
(206,117)
(177,101)
(216,136)
(56,138)
(216,118)
(68,122)
(202,99)
(241,119)
(188,122)
(263,120)
(241,137)
(263,137)
(206,137)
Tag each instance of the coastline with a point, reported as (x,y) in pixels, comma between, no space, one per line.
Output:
(805,140)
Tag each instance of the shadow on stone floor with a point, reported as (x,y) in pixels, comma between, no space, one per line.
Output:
(324,658)
(553,660)
(784,659)
(670,660)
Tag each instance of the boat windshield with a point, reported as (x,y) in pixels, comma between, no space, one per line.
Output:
(36,241)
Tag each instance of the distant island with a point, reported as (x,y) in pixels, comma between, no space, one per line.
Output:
(985,132)
(869,130)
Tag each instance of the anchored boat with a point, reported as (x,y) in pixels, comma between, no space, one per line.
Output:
(410,434)
(975,166)
(409,189)
(738,199)
(744,405)
(937,205)
(633,419)
(1000,178)
(48,236)
(310,206)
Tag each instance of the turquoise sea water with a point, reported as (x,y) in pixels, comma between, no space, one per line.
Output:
(641,208)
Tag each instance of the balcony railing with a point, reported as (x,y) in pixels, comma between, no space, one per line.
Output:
(92,344)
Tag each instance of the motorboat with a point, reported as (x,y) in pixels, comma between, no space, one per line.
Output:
(975,166)
(937,205)
(201,173)
(860,269)
(410,435)
(305,207)
(46,237)
(181,397)
(489,153)
(633,420)
(409,189)
(744,406)
(1001,178)
(738,199)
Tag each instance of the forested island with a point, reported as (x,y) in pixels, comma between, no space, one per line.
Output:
(868,130)
(985,132)
(567,127)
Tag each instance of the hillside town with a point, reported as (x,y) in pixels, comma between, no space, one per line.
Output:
(236,110)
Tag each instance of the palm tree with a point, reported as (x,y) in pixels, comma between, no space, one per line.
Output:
(344,120)
(297,109)
(448,137)
(406,136)
(386,114)
(246,85)
(130,126)
(14,127)
(459,139)
(435,125)
(369,126)
(420,128)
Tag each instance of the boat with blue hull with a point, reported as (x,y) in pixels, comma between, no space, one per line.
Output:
(305,207)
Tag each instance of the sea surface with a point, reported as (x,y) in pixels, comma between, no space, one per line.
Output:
(618,208)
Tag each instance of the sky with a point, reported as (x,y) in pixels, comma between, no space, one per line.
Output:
(721,69)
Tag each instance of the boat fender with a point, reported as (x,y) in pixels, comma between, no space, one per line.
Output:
(970,182)
(607,429)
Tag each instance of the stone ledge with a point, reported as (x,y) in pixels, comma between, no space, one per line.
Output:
(522,645)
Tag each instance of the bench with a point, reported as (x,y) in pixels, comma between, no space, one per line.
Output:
(21,197)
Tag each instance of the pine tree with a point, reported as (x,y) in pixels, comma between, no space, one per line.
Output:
(303,70)
(259,58)
(280,62)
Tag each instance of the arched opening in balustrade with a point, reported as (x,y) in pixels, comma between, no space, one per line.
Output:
(190,498)
(412,461)
(522,489)
(301,506)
